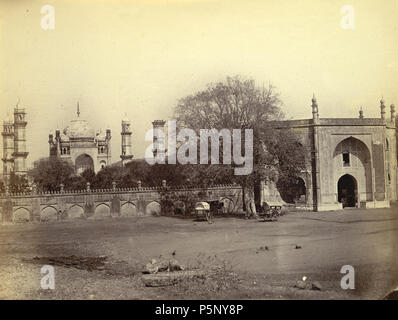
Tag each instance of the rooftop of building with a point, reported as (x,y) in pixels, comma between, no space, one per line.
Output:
(360,121)
(80,129)
(335,122)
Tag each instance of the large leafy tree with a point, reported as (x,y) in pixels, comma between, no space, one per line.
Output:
(237,103)
(106,176)
(153,175)
(48,174)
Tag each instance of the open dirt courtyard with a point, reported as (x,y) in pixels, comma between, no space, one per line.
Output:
(242,259)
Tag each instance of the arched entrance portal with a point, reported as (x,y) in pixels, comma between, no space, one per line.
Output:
(352,157)
(347,191)
(83,162)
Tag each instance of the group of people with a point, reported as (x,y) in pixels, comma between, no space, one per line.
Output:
(255,211)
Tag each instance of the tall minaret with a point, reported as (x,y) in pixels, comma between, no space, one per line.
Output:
(127,148)
(20,153)
(8,149)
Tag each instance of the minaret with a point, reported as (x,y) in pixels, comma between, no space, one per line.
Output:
(8,149)
(127,148)
(20,153)
(382,109)
(159,144)
(393,114)
(315,114)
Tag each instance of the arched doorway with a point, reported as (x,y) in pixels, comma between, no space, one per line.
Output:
(352,157)
(292,190)
(83,162)
(347,191)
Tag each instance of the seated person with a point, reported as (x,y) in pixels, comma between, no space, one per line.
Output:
(266,207)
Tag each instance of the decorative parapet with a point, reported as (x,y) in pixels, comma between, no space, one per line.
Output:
(328,122)
(62,192)
(88,190)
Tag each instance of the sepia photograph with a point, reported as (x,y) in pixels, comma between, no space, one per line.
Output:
(199,150)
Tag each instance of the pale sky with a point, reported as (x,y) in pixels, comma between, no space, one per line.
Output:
(141,57)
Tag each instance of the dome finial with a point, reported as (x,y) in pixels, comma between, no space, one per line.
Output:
(382,108)
(78,109)
(125,118)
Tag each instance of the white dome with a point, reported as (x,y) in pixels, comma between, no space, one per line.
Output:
(79,129)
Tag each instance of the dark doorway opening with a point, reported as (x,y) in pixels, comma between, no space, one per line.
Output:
(292,190)
(347,191)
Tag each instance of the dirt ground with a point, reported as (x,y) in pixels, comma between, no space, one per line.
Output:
(244,259)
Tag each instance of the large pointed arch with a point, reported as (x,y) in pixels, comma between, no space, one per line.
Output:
(83,162)
(352,156)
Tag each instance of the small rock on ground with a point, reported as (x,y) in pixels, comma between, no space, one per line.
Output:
(300,285)
(316,286)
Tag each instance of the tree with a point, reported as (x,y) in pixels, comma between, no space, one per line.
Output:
(48,174)
(238,104)
(153,175)
(18,183)
(75,182)
(88,175)
(235,103)
(106,176)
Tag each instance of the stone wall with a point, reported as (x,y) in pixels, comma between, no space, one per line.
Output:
(88,204)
